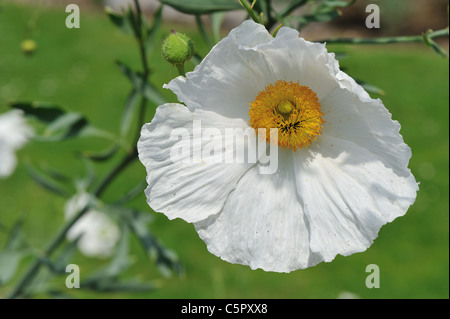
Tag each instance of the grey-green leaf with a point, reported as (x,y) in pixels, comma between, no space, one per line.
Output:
(102,155)
(43,112)
(153,30)
(15,237)
(216,22)
(46,181)
(112,285)
(9,261)
(142,86)
(119,21)
(61,124)
(130,108)
(165,259)
(202,6)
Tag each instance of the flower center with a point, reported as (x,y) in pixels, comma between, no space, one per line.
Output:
(285,107)
(293,109)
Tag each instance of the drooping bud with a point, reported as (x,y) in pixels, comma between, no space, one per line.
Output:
(177,48)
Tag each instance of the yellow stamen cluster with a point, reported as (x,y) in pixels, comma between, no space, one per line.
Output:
(293,109)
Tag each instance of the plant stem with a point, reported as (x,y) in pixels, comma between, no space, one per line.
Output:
(250,11)
(141,40)
(180,68)
(130,157)
(386,40)
(202,30)
(143,53)
(270,21)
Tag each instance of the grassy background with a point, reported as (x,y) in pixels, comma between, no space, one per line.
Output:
(75,68)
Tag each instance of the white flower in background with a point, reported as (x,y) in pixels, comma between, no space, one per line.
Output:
(342,171)
(98,233)
(14,133)
(348,295)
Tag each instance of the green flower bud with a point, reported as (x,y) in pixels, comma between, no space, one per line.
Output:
(177,48)
(28,46)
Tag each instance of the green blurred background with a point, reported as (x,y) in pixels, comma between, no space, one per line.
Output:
(75,68)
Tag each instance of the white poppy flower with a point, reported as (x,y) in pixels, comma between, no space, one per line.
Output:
(342,164)
(14,133)
(97,232)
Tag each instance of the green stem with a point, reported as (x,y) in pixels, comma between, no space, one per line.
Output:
(143,53)
(250,11)
(386,40)
(180,68)
(202,30)
(268,13)
(141,41)
(129,158)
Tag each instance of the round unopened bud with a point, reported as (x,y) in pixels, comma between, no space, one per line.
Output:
(28,46)
(177,48)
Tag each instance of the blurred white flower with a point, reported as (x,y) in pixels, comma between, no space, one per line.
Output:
(343,166)
(98,233)
(347,295)
(14,133)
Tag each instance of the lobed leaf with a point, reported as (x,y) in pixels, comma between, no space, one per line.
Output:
(61,124)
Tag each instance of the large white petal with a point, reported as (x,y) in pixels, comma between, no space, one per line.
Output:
(262,223)
(351,114)
(347,195)
(229,77)
(294,59)
(188,187)
(246,61)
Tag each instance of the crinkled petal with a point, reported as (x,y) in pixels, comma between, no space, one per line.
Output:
(291,58)
(351,114)
(188,186)
(330,198)
(347,195)
(228,77)
(262,222)
(249,59)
